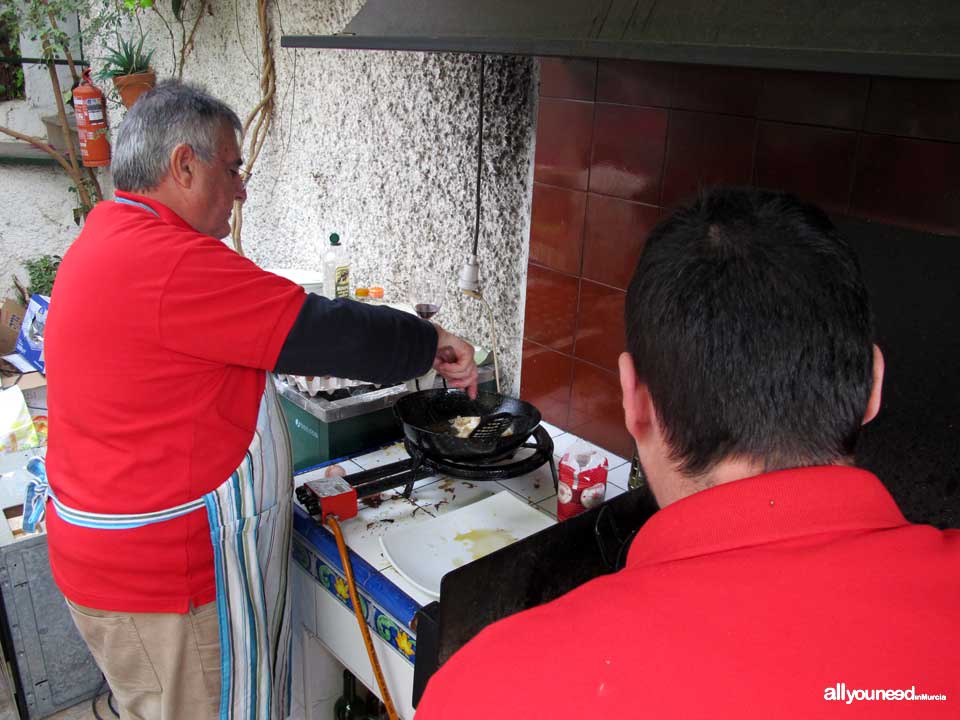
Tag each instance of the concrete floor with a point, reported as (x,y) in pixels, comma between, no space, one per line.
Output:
(83,711)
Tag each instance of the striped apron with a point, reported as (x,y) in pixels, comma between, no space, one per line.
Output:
(250,518)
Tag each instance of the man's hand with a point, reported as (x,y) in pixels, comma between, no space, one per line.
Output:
(454,361)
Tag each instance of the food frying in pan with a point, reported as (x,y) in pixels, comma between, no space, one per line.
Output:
(463,425)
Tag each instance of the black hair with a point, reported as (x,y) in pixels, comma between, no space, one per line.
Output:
(748,319)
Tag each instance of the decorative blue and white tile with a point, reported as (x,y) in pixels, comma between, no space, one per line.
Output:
(387,610)
(406,586)
(396,634)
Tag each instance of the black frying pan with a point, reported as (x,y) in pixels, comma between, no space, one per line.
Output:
(426,416)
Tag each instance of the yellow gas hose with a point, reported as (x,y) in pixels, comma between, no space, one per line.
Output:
(358,612)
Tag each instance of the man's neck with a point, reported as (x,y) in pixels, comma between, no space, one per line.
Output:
(679,486)
(675,485)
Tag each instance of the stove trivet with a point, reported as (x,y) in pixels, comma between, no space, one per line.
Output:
(407,472)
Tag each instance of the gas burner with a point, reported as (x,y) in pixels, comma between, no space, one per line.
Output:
(406,472)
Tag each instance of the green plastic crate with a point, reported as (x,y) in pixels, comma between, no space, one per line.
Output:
(314,441)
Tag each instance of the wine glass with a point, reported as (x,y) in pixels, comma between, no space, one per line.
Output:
(426,294)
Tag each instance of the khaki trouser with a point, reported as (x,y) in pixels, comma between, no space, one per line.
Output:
(160,666)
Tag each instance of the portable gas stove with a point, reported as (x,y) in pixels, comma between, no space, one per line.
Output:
(339,494)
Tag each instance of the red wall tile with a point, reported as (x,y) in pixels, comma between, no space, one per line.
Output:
(628,149)
(909,182)
(545,382)
(614,237)
(688,87)
(815,163)
(596,409)
(642,137)
(550,318)
(814,98)
(556,227)
(705,150)
(600,327)
(566,78)
(915,108)
(564,130)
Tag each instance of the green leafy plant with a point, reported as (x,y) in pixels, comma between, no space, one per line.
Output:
(11,75)
(41,271)
(125,58)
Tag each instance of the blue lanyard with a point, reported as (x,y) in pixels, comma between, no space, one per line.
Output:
(146,207)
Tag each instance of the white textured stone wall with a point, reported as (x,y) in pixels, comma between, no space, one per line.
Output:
(381,148)
(36,217)
(36,206)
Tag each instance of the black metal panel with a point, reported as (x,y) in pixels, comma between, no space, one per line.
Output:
(428,649)
(913,445)
(525,574)
(877,37)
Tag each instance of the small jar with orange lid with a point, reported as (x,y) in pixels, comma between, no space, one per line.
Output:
(376,295)
(362,294)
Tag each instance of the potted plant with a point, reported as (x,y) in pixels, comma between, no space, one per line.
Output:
(129,67)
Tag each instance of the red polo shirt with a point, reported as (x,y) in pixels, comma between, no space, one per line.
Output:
(753,599)
(156,345)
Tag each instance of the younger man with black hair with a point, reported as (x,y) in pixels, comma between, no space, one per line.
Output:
(777,580)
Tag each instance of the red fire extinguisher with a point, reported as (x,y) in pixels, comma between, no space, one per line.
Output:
(90,108)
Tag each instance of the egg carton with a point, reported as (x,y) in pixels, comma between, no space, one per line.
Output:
(314,385)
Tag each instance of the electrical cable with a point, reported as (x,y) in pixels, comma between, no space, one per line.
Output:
(493,331)
(358,613)
(476,228)
(96,696)
(93,703)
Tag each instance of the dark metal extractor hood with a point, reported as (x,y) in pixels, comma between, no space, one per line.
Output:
(907,38)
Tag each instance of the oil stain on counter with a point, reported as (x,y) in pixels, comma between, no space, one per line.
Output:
(481,542)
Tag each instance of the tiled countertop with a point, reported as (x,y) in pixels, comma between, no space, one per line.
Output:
(436,495)
(389,601)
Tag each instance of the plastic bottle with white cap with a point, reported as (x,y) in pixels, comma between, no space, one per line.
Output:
(336,269)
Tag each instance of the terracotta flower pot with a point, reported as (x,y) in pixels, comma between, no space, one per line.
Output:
(133,86)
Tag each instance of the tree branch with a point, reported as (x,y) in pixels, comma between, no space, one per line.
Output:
(188,46)
(40,145)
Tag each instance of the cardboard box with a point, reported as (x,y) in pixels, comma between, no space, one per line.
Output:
(26,381)
(30,339)
(15,370)
(11,317)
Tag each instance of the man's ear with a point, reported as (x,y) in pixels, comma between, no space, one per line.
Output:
(873,402)
(637,407)
(183,164)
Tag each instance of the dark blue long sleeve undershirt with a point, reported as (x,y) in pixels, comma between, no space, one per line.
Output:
(349,339)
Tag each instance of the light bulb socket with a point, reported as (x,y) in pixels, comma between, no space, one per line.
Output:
(470,276)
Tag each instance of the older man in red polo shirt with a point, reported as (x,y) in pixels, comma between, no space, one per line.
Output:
(777,580)
(169,464)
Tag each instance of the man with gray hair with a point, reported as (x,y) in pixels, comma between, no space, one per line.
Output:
(169,466)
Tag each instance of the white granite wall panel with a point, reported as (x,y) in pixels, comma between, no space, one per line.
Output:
(381,148)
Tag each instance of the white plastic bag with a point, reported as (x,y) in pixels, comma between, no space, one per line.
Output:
(16,426)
